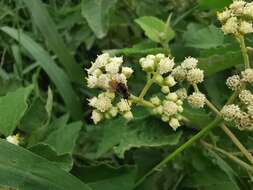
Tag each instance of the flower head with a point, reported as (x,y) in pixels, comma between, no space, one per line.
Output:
(197,99)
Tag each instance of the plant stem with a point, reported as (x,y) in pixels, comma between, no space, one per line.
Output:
(141,101)
(147,86)
(229,155)
(244,51)
(188,143)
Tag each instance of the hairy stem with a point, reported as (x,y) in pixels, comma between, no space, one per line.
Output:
(180,149)
(244,51)
(229,155)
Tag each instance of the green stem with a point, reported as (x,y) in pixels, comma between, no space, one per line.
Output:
(244,51)
(141,101)
(188,143)
(229,155)
(147,86)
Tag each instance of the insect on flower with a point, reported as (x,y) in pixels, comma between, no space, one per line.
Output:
(120,88)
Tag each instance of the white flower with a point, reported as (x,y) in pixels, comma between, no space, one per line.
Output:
(174,123)
(103,81)
(123,105)
(96,116)
(92,81)
(158,79)
(246,97)
(234,82)
(231,26)
(172,97)
(181,93)
(247,75)
(237,6)
(197,100)
(117,60)
(165,89)
(245,27)
(127,71)
(170,81)
(224,15)
(101,61)
(113,111)
(195,76)
(14,139)
(179,73)
(189,63)
(160,56)
(170,108)
(101,103)
(250,110)
(248,9)
(158,110)
(155,100)
(112,67)
(165,65)
(128,115)
(121,78)
(230,112)
(147,64)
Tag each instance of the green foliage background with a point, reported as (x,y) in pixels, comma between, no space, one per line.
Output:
(45,48)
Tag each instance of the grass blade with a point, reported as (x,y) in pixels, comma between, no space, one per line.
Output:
(56,74)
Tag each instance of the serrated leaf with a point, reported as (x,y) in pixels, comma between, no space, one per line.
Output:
(21,169)
(203,37)
(12,109)
(96,13)
(146,134)
(155,29)
(63,139)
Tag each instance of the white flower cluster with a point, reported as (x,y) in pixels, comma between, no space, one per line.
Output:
(236,82)
(237,19)
(242,114)
(14,139)
(169,109)
(106,73)
(106,69)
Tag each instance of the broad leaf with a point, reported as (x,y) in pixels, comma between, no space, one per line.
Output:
(214,4)
(21,169)
(155,29)
(96,13)
(12,109)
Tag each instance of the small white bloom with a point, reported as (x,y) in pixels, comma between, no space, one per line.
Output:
(179,73)
(113,111)
(172,97)
(248,9)
(165,118)
(100,62)
(181,93)
(250,110)
(174,123)
(155,100)
(247,75)
(195,76)
(230,112)
(165,89)
(123,105)
(231,26)
(234,82)
(238,6)
(128,115)
(245,27)
(93,101)
(102,103)
(170,108)
(160,56)
(165,65)
(103,81)
(96,116)
(92,81)
(197,100)
(158,79)
(147,65)
(127,71)
(224,15)
(158,110)
(189,63)
(170,81)
(121,78)
(246,97)
(112,67)
(117,60)
(14,139)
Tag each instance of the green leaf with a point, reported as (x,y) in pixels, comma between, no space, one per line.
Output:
(214,4)
(104,177)
(48,29)
(12,109)
(203,37)
(55,73)
(63,139)
(155,29)
(96,13)
(49,104)
(21,169)
(65,161)
(146,134)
